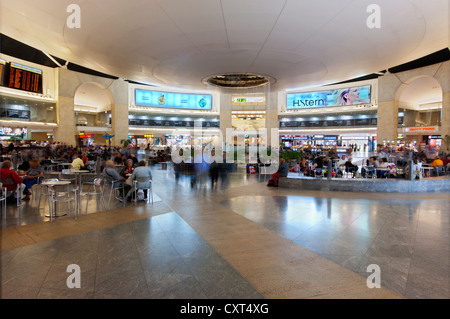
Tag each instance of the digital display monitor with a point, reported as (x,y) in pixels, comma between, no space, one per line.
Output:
(2,72)
(173,100)
(339,97)
(24,78)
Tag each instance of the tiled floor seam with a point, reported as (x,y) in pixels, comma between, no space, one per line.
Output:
(26,230)
(265,229)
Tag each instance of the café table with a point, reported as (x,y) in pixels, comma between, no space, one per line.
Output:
(64,165)
(50,185)
(79,172)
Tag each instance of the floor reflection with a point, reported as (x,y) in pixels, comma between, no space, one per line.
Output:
(398,234)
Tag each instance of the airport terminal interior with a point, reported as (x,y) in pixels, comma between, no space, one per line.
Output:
(225,149)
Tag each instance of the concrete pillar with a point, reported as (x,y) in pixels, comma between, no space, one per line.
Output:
(271,123)
(445,121)
(65,115)
(119,123)
(387,122)
(225,115)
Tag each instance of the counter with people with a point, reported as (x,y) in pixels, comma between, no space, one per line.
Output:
(374,174)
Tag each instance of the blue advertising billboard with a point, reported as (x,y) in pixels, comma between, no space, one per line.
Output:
(173,100)
(347,96)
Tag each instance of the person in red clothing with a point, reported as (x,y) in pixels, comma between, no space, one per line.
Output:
(84,159)
(10,178)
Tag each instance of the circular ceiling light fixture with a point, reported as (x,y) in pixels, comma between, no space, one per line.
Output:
(238,80)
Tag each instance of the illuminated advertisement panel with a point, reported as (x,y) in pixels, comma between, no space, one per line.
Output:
(248,100)
(173,100)
(347,96)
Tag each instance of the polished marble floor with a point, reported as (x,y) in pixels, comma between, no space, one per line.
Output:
(242,241)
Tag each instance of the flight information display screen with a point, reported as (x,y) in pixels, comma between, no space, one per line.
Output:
(23,78)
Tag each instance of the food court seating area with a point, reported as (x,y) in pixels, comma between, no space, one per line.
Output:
(63,191)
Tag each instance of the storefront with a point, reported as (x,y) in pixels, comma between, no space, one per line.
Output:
(173,140)
(362,143)
(8,133)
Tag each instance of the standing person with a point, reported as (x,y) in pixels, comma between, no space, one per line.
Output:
(223,171)
(214,173)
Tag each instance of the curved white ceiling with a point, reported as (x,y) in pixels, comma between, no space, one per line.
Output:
(180,42)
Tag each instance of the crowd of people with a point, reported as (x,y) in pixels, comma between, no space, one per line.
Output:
(384,163)
(24,167)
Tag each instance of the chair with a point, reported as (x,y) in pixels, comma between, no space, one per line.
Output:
(17,192)
(439,170)
(65,175)
(318,172)
(95,188)
(349,170)
(371,172)
(144,183)
(117,188)
(63,194)
(3,197)
(38,188)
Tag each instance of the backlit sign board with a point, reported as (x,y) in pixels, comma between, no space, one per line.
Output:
(248,100)
(173,100)
(339,97)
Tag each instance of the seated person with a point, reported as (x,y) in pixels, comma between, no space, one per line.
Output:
(350,167)
(304,166)
(25,166)
(437,162)
(32,176)
(134,159)
(111,175)
(318,164)
(77,162)
(84,158)
(446,162)
(46,161)
(283,170)
(371,162)
(128,169)
(383,164)
(342,161)
(417,166)
(142,171)
(10,178)
(118,159)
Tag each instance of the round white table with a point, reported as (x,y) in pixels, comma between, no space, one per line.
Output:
(79,172)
